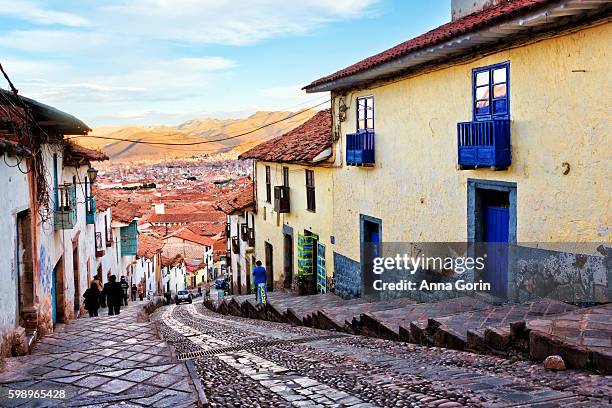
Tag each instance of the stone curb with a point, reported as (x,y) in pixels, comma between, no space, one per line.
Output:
(202,399)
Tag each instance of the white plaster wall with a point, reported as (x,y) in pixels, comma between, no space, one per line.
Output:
(14,197)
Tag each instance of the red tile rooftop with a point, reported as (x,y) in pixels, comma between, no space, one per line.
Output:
(187,218)
(304,144)
(240,199)
(149,245)
(446,32)
(188,235)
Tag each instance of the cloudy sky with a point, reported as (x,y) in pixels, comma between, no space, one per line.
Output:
(164,61)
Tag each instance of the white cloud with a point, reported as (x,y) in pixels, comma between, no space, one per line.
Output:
(53,41)
(33,12)
(224,21)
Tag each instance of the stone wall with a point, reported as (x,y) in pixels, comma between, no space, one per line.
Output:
(557,274)
(347,277)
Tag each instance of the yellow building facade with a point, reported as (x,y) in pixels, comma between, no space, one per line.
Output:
(294,206)
(277,233)
(556,188)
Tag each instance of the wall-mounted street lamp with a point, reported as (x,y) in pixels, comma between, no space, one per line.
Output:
(92,174)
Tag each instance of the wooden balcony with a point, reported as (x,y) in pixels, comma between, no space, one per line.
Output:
(244,234)
(129,239)
(484,144)
(109,237)
(90,210)
(65,214)
(99,245)
(360,148)
(281,199)
(251,237)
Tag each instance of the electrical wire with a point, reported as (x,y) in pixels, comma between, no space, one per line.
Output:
(204,141)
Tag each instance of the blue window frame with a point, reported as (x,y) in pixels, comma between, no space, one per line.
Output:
(365,113)
(491,92)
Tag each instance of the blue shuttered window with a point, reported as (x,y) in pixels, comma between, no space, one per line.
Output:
(129,239)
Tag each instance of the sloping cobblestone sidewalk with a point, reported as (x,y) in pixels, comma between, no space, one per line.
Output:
(105,361)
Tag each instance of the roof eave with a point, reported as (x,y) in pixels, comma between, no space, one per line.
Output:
(546,17)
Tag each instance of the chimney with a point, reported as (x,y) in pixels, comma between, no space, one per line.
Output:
(461,8)
(160,208)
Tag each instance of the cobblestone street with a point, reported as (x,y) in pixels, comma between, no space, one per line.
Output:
(244,362)
(107,361)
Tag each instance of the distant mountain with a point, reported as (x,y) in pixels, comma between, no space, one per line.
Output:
(218,133)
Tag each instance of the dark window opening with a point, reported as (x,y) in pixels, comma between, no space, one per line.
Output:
(268,185)
(286,176)
(310,191)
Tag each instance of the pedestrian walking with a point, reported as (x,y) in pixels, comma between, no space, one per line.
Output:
(140,292)
(114,294)
(92,299)
(125,288)
(259,279)
(102,299)
(134,291)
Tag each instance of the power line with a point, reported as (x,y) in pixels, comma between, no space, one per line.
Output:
(204,141)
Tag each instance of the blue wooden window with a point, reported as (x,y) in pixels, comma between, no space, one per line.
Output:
(365,113)
(129,239)
(490,92)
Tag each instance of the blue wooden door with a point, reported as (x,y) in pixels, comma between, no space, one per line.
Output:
(53,300)
(373,237)
(496,235)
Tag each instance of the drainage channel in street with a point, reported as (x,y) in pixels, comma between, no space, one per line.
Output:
(253,345)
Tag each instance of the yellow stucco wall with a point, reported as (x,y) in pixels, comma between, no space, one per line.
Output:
(270,228)
(560,109)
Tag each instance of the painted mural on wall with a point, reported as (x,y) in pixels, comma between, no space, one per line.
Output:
(45,270)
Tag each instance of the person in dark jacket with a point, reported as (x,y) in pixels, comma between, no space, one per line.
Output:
(92,299)
(134,291)
(114,295)
(125,287)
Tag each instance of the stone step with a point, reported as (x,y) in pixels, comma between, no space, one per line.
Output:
(341,318)
(395,324)
(583,337)
(454,330)
(301,310)
(498,338)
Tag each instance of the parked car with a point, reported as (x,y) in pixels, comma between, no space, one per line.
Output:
(183,296)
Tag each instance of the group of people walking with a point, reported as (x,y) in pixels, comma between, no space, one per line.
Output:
(112,295)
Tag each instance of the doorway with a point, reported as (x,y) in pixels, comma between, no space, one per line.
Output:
(492,221)
(248,275)
(25,268)
(311,285)
(371,232)
(239,277)
(58,301)
(76,278)
(288,259)
(269,266)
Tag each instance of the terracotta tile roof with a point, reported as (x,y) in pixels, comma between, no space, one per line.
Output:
(125,211)
(241,199)
(149,245)
(187,218)
(104,198)
(188,235)
(446,32)
(302,144)
(75,153)
(207,228)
